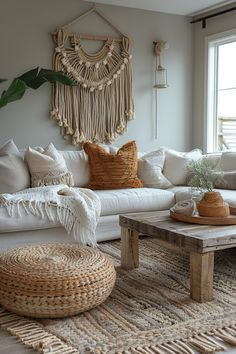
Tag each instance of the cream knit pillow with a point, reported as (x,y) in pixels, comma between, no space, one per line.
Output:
(48,167)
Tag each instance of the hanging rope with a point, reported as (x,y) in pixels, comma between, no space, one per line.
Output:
(101,104)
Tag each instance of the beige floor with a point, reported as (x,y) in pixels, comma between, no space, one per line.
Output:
(9,345)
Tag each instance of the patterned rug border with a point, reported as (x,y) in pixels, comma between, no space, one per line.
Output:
(32,334)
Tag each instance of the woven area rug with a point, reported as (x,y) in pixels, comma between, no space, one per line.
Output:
(148,312)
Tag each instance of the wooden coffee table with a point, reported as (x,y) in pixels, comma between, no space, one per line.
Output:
(201,241)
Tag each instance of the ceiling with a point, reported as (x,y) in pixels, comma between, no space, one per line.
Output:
(179,7)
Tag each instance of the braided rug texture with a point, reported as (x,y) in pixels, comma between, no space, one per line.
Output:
(148,312)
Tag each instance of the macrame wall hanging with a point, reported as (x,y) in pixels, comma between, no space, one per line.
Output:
(99,106)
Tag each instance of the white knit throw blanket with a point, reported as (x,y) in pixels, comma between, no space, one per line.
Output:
(77,209)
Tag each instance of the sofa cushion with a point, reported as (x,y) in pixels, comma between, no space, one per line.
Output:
(25,222)
(48,167)
(227,161)
(9,148)
(112,171)
(14,174)
(150,168)
(120,201)
(229,196)
(77,164)
(112,202)
(181,193)
(226,180)
(175,167)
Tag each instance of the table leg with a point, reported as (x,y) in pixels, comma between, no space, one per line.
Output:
(201,276)
(129,248)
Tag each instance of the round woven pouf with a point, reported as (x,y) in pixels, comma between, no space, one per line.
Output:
(55,280)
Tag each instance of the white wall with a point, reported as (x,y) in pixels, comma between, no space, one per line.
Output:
(25,43)
(213,26)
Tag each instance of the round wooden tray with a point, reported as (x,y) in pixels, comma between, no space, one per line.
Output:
(203,220)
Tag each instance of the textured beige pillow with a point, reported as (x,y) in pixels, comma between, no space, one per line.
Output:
(150,168)
(48,167)
(14,174)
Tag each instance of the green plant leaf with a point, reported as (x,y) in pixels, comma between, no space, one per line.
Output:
(14,92)
(36,78)
(202,174)
(32,79)
(53,76)
(29,76)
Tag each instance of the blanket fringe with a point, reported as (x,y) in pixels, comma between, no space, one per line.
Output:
(33,335)
(77,209)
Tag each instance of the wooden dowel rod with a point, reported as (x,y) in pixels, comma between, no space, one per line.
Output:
(92,37)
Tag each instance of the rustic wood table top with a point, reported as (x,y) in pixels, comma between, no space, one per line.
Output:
(192,237)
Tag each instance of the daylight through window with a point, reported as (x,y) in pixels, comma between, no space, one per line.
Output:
(221,94)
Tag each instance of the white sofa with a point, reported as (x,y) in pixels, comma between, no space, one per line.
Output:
(29,229)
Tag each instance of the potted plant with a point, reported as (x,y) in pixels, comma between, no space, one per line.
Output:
(32,79)
(203,175)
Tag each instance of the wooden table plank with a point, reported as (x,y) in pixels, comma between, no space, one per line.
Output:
(191,236)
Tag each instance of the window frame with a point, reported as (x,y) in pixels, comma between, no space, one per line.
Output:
(212,43)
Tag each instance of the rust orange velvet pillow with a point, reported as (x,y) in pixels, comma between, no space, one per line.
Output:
(108,171)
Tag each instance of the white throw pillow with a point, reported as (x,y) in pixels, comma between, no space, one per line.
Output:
(77,164)
(9,148)
(48,167)
(14,174)
(175,167)
(227,161)
(150,168)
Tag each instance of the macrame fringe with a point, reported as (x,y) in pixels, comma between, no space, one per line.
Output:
(33,335)
(65,178)
(100,105)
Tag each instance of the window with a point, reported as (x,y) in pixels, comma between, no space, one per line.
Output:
(221,92)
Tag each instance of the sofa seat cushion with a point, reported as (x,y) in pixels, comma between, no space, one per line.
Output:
(24,222)
(120,201)
(229,196)
(180,192)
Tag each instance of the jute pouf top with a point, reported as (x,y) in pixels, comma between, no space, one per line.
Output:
(55,280)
